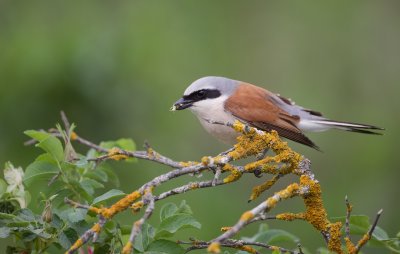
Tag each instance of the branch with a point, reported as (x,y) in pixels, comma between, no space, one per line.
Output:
(237,244)
(137,225)
(252,142)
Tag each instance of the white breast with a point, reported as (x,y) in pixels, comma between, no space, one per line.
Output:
(213,110)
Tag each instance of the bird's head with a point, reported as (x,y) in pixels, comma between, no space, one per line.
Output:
(205,95)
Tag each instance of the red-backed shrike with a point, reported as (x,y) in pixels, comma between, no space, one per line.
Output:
(218,99)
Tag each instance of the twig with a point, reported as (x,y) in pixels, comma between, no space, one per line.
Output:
(368,236)
(89,234)
(64,118)
(288,192)
(137,225)
(300,249)
(187,187)
(75,204)
(348,213)
(236,244)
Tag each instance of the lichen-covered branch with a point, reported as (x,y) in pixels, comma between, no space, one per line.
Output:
(252,142)
(239,245)
(148,198)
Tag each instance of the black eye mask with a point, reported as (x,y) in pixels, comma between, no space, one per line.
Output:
(202,95)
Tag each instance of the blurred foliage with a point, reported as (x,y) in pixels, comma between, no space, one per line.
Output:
(116,68)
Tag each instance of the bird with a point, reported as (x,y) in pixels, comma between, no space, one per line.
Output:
(222,100)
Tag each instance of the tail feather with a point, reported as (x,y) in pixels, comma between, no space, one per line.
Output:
(348,126)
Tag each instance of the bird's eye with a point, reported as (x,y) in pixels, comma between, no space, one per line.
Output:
(201,94)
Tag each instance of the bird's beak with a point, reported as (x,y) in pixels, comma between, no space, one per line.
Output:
(182,104)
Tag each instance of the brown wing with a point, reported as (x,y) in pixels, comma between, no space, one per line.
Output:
(251,104)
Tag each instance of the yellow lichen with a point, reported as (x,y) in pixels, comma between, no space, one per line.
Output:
(364,240)
(257,190)
(78,243)
(217,159)
(349,208)
(214,247)
(127,248)
(275,248)
(194,186)
(119,206)
(96,228)
(137,206)
(289,192)
(246,216)
(239,127)
(315,211)
(116,154)
(224,229)
(271,202)
(290,216)
(95,209)
(264,165)
(73,136)
(188,163)
(205,160)
(334,243)
(248,249)
(151,153)
(234,173)
(350,247)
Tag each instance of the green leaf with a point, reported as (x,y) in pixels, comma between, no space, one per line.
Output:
(41,233)
(76,214)
(172,224)
(98,175)
(67,238)
(164,247)
(144,238)
(113,178)
(62,193)
(108,195)
(123,143)
(18,224)
(323,251)
(48,143)
(126,229)
(380,234)
(53,146)
(272,236)
(37,135)
(184,208)
(3,187)
(39,170)
(7,216)
(78,188)
(359,224)
(276,236)
(56,223)
(72,215)
(168,210)
(4,232)
(90,185)
(25,214)
(379,237)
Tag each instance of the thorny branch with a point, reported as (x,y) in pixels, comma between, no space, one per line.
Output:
(253,142)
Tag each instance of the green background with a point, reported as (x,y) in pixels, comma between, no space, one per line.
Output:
(116,68)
